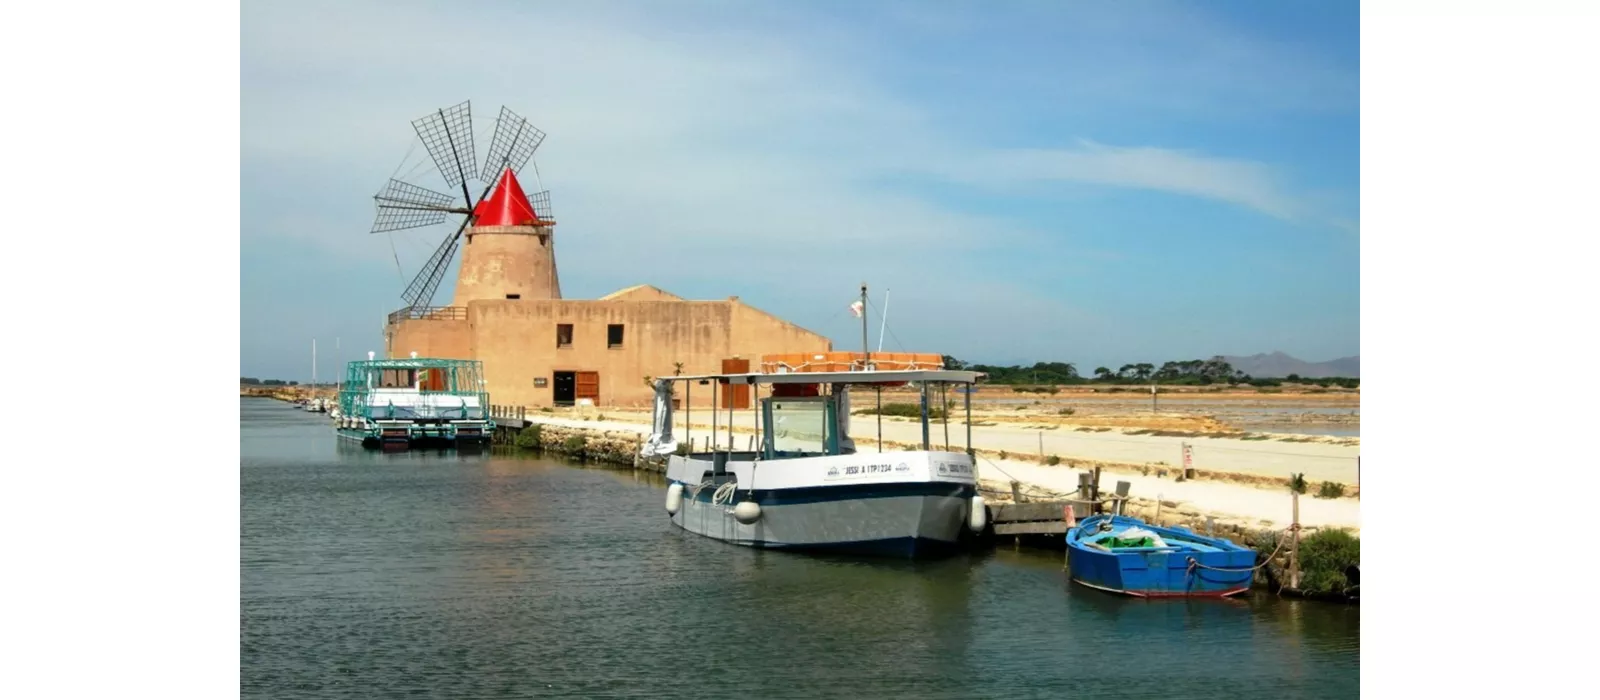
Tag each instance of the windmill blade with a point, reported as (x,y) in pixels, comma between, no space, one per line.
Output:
(402,205)
(447,134)
(540,201)
(513,144)
(419,294)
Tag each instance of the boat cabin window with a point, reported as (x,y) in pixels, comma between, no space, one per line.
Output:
(799,426)
(397,378)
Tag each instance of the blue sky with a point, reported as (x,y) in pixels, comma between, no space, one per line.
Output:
(1092,182)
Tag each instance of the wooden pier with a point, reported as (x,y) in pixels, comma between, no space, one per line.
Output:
(1057,515)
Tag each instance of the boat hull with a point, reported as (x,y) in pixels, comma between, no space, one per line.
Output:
(905,520)
(1219,569)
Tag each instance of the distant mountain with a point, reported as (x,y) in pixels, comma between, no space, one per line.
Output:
(1278,364)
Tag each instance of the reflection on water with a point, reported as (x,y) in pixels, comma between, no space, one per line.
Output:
(366,574)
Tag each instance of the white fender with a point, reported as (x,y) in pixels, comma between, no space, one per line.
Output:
(674,498)
(978,516)
(747,512)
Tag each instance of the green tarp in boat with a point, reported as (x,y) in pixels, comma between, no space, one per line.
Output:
(1114,542)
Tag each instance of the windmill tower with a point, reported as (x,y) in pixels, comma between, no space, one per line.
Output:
(510,248)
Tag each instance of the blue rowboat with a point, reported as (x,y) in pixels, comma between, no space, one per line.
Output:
(1129,556)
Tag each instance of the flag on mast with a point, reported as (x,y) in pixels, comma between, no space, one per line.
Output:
(855,308)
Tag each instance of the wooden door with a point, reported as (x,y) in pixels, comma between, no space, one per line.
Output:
(588,387)
(737,394)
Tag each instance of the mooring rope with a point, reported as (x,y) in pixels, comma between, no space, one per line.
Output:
(1281,539)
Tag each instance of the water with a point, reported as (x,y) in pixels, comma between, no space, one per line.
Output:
(368,575)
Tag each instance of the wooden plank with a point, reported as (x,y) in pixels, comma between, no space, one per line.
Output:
(1023,512)
(1058,527)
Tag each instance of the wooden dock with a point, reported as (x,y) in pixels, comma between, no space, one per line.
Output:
(1055,516)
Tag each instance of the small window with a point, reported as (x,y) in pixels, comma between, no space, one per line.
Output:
(614,335)
(513,296)
(563,335)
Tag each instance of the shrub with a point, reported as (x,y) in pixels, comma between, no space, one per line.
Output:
(1297,483)
(1323,558)
(1053,461)
(1066,411)
(1002,454)
(528,438)
(546,409)
(574,445)
(1330,489)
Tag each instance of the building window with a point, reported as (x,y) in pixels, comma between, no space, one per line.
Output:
(563,335)
(614,335)
(513,296)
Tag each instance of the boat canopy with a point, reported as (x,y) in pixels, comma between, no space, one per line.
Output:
(835,408)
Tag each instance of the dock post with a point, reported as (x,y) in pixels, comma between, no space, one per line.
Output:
(1081,508)
(1294,550)
(1122,497)
(1016,491)
(1095,496)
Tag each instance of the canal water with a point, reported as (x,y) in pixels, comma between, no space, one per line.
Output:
(366,575)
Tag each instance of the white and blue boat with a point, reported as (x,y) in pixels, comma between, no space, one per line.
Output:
(801,483)
(1129,556)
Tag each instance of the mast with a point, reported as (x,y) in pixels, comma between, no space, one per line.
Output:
(883,324)
(865,347)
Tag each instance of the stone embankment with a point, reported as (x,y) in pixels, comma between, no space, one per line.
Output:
(617,447)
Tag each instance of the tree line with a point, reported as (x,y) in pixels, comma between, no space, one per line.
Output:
(1174,373)
(252,381)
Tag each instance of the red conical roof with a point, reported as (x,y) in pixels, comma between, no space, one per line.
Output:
(508,206)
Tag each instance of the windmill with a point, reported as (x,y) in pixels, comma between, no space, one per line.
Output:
(447,136)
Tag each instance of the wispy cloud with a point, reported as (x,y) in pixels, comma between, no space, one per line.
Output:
(676,140)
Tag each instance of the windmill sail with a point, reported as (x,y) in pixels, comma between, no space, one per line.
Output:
(513,144)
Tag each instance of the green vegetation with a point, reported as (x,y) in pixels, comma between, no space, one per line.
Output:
(903,410)
(528,438)
(1053,461)
(252,381)
(1323,559)
(1043,377)
(1330,489)
(1297,483)
(574,445)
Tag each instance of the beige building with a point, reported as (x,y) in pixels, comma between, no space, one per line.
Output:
(539,349)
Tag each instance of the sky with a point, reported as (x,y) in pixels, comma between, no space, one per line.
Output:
(1091,182)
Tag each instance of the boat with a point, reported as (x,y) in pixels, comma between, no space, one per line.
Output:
(414,402)
(1129,556)
(801,483)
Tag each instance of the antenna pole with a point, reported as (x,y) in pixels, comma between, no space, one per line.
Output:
(866,348)
(884,324)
